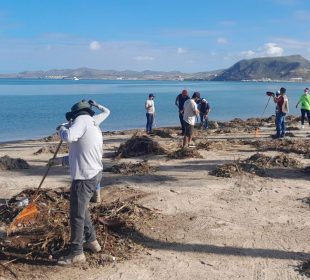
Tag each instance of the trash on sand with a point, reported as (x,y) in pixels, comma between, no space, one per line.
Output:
(128,168)
(184,153)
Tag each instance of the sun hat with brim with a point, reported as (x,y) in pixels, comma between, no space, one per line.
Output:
(78,107)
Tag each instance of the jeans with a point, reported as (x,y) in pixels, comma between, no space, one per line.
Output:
(80,221)
(182,123)
(303,113)
(149,122)
(204,120)
(280,124)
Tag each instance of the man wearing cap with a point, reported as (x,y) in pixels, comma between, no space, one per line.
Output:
(282,103)
(304,101)
(189,117)
(85,154)
(150,113)
(179,102)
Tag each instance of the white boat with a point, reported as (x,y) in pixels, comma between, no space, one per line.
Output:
(76,79)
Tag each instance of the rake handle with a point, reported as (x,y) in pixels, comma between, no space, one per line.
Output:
(46,172)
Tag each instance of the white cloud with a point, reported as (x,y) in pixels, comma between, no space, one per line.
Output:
(144,58)
(269,49)
(181,50)
(221,41)
(94,46)
(272,49)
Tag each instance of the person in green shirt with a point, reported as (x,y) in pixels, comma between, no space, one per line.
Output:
(304,101)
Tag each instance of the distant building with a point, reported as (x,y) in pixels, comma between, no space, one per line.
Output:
(296,80)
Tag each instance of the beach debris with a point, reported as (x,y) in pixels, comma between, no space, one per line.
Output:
(280,160)
(184,153)
(128,168)
(256,164)
(48,237)
(50,149)
(8,163)
(297,146)
(52,138)
(306,170)
(139,146)
(163,133)
(304,268)
(227,170)
(290,128)
(213,125)
(211,145)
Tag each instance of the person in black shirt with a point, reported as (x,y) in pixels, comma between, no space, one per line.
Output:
(179,102)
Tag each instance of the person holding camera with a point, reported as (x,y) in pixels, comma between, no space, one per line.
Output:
(282,110)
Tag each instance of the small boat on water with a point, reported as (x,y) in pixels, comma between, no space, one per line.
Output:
(76,79)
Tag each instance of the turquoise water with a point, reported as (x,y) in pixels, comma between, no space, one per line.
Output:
(33,108)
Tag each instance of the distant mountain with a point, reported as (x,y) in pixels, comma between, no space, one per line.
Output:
(268,68)
(89,73)
(285,68)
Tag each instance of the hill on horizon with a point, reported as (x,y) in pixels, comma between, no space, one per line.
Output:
(273,68)
(284,68)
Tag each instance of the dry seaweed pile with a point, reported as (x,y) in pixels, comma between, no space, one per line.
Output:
(8,163)
(46,238)
(255,164)
(280,160)
(297,146)
(211,145)
(139,146)
(163,133)
(129,168)
(52,148)
(184,153)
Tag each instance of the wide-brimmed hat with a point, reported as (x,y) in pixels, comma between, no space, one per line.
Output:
(78,107)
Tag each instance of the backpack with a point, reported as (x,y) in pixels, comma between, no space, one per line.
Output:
(285,105)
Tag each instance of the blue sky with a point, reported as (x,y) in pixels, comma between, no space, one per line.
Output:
(190,36)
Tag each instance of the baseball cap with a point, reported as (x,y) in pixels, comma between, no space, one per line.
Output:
(151,95)
(306,90)
(196,94)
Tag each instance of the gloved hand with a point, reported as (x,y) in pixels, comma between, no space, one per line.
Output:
(93,103)
(66,125)
(55,161)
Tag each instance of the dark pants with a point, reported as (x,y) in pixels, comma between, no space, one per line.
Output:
(280,124)
(204,119)
(182,123)
(149,122)
(303,113)
(81,225)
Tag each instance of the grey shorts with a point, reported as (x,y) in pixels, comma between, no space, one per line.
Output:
(189,129)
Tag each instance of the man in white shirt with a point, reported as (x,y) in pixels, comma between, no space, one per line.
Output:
(85,154)
(150,113)
(189,117)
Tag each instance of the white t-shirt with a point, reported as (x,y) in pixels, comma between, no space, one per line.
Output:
(151,109)
(190,109)
(85,147)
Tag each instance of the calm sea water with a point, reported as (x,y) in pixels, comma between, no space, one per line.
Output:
(33,108)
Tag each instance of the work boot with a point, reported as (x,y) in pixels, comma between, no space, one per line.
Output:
(71,259)
(93,246)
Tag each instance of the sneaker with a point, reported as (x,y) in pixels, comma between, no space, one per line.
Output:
(72,259)
(93,246)
(302,126)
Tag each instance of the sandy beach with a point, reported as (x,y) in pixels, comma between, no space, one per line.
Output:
(217,213)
